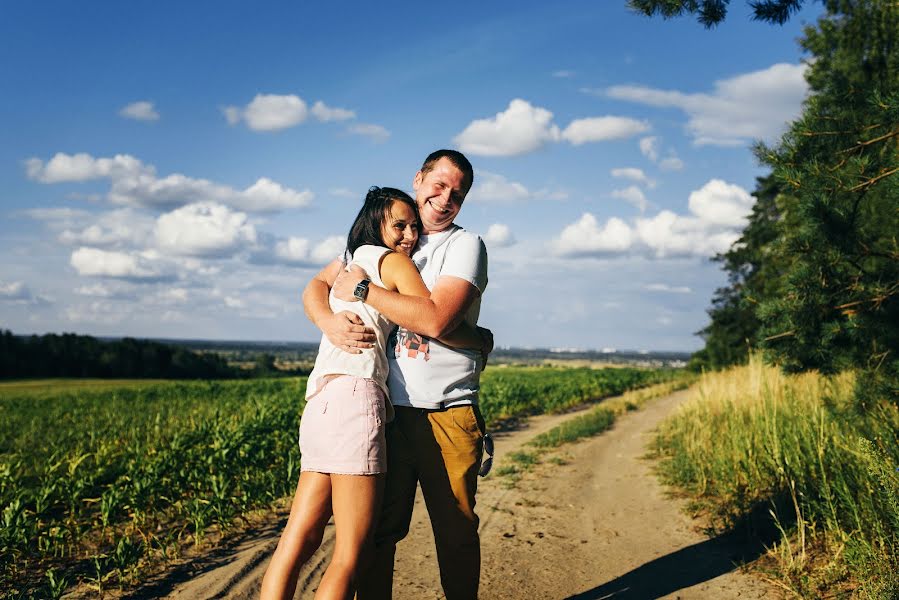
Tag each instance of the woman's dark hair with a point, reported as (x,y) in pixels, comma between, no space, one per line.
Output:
(366,228)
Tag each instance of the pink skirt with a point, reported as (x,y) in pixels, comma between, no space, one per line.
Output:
(342,428)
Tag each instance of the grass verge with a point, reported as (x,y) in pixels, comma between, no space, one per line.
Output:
(758,448)
(594,422)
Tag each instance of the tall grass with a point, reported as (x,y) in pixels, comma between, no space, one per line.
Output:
(797,448)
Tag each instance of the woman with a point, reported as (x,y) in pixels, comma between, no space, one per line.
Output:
(342,441)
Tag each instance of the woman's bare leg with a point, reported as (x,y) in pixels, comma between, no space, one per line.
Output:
(309,514)
(356,501)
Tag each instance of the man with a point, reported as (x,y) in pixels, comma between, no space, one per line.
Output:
(436,438)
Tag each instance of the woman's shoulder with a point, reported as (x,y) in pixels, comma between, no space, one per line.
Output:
(369,253)
(395,260)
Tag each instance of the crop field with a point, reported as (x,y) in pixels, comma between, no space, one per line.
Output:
(100,484)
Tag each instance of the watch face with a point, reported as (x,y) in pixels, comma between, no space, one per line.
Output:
(361,290)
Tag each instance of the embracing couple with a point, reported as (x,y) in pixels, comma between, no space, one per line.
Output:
(392,399)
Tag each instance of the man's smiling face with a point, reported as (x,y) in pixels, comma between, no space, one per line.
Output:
(439,194)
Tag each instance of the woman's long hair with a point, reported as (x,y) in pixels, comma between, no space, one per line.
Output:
(366,228)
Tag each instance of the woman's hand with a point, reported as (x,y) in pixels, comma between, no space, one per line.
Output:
(486,342)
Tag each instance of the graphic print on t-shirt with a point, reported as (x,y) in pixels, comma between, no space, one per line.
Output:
(413,344)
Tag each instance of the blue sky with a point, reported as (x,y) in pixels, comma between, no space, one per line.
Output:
(182,169)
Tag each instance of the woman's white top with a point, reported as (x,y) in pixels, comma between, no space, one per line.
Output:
(372,362)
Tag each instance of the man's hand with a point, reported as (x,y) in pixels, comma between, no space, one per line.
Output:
(487,347)
(346,282)
(347,331)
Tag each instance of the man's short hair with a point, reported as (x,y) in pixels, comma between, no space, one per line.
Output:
(454,156)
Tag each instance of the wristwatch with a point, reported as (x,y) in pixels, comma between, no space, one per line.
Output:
(361,291)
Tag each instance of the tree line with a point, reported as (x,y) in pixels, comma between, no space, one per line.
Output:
(813,280)
(71,355)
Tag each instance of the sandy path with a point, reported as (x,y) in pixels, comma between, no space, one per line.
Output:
(598,526)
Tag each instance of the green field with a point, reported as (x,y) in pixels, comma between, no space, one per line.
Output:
(101,482)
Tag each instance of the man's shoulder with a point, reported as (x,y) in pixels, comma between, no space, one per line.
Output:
(462,238)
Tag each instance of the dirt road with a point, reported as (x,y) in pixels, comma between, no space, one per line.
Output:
(598,526)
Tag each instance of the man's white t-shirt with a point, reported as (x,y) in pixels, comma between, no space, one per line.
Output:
(423,372)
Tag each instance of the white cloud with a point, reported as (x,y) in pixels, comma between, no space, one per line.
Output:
(204,229)
(671,163)
(232,302)
(274,112)
(140,111)
(92,234)
(123,226)
(632,195)
(104,263)
(649,146)
(82,167)
(499,236)
(58,218)
(586,237)
(633,174)
(520,129)
(524,128)
(325,113)
(269,112)
(600,129)
(17,292)
(97,290)
(300,251)
(293,250)
(328,249)
(174,190)
(377,133)
(667,234)
(173,296)
(721,203)
(134,183)
(563,74)
(671,289)
(494,187)
(232,114)
(718,211)
(747,107)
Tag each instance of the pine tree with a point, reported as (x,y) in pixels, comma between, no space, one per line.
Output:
(712,12)
(839,163)
(752,276)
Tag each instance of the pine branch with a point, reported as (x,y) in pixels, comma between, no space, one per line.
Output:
(882,138)
(872,181)
(780,335)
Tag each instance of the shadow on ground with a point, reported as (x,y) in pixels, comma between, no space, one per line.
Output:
(681,569)
(165,583)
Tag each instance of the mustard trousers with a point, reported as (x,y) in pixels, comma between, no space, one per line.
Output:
(441,450)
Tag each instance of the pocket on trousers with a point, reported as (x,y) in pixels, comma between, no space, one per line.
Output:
(465,419)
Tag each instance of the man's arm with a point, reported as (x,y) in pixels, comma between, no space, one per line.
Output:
(344,329)
(433,317)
